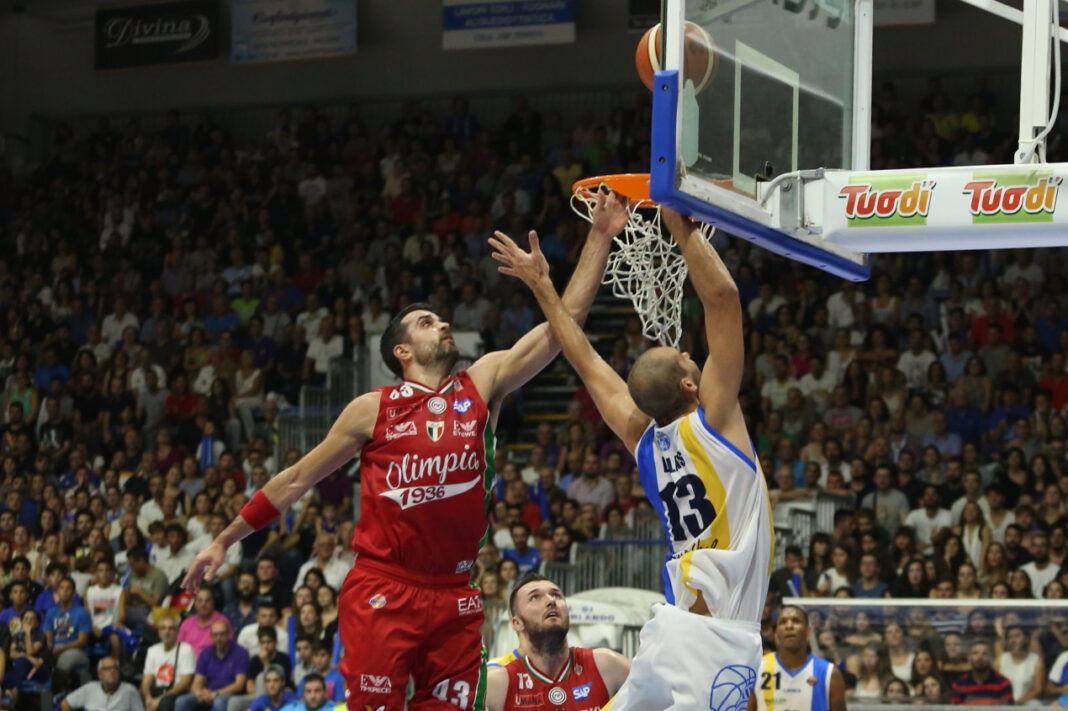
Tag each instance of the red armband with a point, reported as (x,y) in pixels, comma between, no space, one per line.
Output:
(259,512)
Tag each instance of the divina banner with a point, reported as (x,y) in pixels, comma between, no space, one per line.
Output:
(162,33)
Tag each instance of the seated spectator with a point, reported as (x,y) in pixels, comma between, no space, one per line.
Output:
(313,696)
(241,611)
(195,630)
(28,654)
(220,672)
(169,668)
(590,487)
(266,616)
(110,692)
(869,584)
(1039,570)
(981,685)
(106,603)
(1024,668)
(305,661)
(930,520)
(268,657)
(144,588)
(333,569)
(525,556)
(67,627)
(333,682)
(276,695)
(889,504)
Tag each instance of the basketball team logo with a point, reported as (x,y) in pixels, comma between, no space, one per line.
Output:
(731,688)
(437,405)
(557,695)
(377,601)
(662,442)
(434,429)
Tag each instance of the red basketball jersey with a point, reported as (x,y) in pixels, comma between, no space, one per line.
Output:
(425,477)
(578,687)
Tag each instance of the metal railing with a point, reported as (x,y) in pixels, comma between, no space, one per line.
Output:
(304,426)
(611,564)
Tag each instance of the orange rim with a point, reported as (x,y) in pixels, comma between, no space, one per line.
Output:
(633,186)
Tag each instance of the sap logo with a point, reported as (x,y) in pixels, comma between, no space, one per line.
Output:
(401,429)
(464,429)
(581,692)
(435,429)
(462,406)
(662,442)
(374,684)
(469,605)
(464,565)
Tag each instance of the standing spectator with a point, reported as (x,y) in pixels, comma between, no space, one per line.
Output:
(169,667)
(981,685)
(220,673)
(195,630)
(591,487)
(109,693)
(67,627)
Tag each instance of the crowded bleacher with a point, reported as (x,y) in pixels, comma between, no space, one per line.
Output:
(167,293)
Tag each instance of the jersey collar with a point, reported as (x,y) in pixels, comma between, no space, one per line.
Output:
(544,678)
(419,387)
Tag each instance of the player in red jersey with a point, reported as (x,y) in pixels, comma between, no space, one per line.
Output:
(551,676)
(426,465)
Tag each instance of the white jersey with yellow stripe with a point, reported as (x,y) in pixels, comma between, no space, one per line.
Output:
(714,506)
(807,689)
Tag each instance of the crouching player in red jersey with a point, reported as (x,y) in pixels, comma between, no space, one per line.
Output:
(551,676)
(426,468)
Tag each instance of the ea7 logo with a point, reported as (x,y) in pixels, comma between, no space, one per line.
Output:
(469,605)
(464,429)
(374,684)
(401,429)
(435,429)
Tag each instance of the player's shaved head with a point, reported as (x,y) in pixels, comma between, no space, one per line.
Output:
(655,384)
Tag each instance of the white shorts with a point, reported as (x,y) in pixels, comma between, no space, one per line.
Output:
(690,662)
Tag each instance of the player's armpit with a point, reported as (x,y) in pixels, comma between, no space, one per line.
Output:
(613,668)
(496,688)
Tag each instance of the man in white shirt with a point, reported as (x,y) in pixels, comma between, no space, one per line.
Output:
(971,481)
(169,668)
(116,322)
(928,520)
(312,315)
(274,321)
(915,361)
(766,304)
(175,557)
(249,637)
(775,389)
(333,570)
(326,346)
(109,693)
(144,365)
(818,383)
(840,306)
(1041,569)
(375,320)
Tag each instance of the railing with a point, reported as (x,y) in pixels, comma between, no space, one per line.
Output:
(610,564)
(304,426)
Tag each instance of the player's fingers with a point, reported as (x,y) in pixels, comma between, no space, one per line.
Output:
(192,578)
(208,576)
(501,257)
(601,197)
(535,243)
(504,238)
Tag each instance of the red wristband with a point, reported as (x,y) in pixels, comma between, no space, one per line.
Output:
(259,512)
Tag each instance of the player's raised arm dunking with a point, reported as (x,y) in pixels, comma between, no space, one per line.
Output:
(426,466)
(696,464)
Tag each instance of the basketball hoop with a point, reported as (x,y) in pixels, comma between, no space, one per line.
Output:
(645,267)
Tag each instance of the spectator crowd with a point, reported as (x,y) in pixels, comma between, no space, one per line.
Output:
(165,293)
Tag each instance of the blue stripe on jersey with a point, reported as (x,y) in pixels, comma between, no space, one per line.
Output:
(726,443)
(646,461)
(819,691)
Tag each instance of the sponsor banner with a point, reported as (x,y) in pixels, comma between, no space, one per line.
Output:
(903,12)
(279,30)
(473,24)
(946,208)
(163,33)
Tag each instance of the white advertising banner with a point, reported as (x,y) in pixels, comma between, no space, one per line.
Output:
(475,24)
(280,30)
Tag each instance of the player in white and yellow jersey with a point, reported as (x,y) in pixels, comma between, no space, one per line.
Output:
(697,466)
(792,678)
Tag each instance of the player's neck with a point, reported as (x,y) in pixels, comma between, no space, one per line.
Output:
(550,662)
(432,378)
(793,659)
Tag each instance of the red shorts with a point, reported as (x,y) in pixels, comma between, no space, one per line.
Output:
(394,624)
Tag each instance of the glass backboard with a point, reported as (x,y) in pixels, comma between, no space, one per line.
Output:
(791,94)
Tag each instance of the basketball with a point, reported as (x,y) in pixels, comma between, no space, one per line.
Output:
(700,60)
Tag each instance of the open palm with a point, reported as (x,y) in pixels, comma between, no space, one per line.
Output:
(529,267)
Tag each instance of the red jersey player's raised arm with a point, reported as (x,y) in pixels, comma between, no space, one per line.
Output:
(499,373)
(351,430)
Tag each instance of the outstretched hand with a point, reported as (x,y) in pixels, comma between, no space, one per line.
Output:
(530,267)
(204,566)
(610,214)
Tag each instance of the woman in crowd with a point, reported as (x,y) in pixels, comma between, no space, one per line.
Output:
(995,568)
(819,559)
(326,598)
(976,384)
(863,632)
(839,575)
(1020,585)
(873,673)
(954,660)
(898,650)
(912,582)
(968,582)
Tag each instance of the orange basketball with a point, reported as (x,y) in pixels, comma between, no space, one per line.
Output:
(700,58)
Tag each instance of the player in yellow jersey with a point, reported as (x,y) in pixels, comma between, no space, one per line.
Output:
(792,678)
(697,466)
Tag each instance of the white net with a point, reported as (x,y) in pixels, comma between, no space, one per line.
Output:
(646,267)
